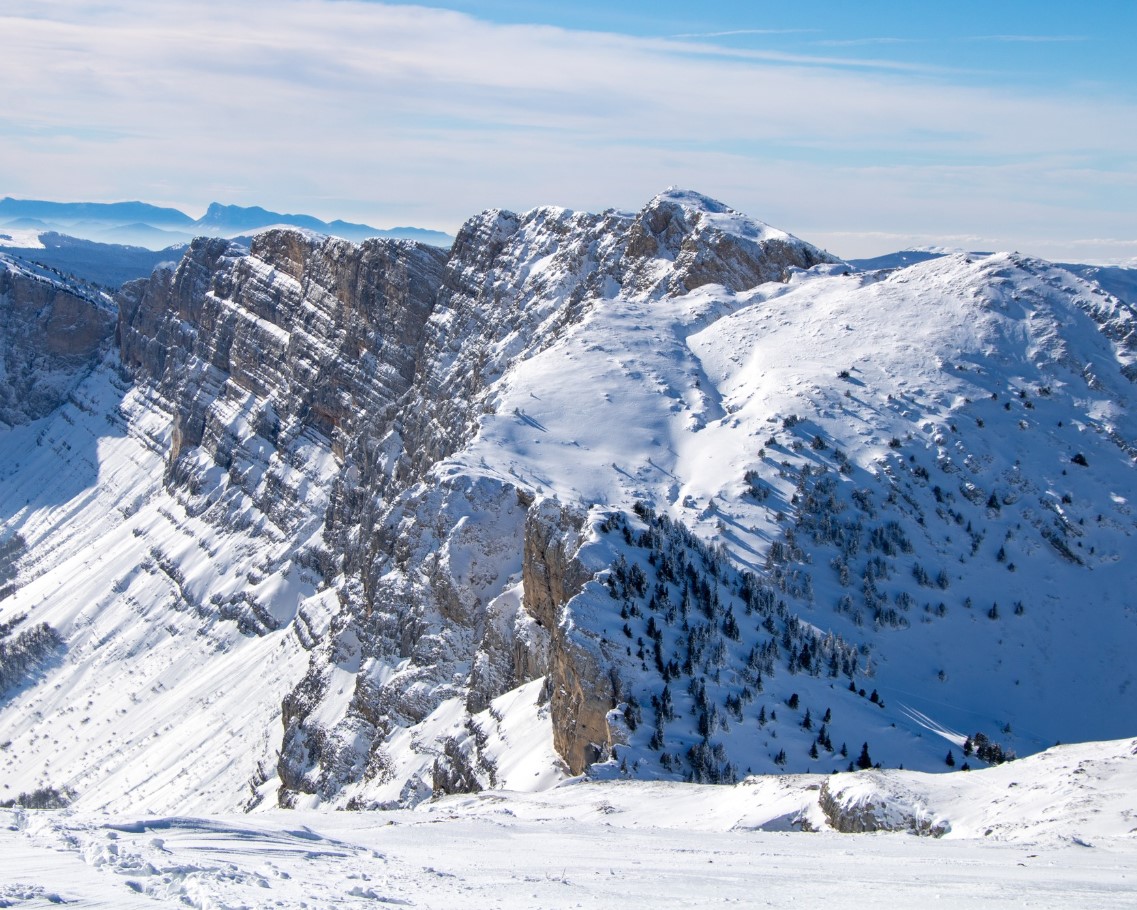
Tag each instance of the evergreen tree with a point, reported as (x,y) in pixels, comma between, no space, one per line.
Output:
(863,760)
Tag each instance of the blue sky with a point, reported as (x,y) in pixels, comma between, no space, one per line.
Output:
(864,127)
(1041,44)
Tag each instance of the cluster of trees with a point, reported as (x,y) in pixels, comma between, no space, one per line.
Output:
(24,653)
(689,614)
(986,750)
(43,798)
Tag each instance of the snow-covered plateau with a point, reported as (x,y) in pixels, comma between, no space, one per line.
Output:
(541,535)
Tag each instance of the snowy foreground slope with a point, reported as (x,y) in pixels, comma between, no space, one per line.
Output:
(1052,830)
(669,495)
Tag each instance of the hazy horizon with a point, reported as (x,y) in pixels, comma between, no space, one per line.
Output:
(863,131)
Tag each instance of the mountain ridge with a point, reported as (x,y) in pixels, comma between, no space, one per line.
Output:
(477,510)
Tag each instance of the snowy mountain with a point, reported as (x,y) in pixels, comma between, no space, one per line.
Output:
(670,495)
(108,265)
(54,331)
(139,224)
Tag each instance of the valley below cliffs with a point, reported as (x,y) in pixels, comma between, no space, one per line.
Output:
(667,495)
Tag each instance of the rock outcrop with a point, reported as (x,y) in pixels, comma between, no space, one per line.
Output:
(683,240)
(874,801)
(581,691)
(54,333)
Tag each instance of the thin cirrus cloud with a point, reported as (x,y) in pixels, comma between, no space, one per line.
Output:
(1030,39)
(736,32)
(859,42)
(397,114)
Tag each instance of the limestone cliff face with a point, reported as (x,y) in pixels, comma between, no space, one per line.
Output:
(298,341)
(495,309)
(53,334)
(581,692)
(323,386)
(318,330)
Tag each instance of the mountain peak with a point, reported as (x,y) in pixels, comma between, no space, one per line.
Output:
(710,243)
(689,199)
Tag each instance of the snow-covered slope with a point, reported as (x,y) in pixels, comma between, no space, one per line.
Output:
(1055,830)
(159,696)
(668,495)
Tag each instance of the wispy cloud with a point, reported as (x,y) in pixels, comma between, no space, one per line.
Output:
(396,114)
(1029,39)
(747,31)
(858,42)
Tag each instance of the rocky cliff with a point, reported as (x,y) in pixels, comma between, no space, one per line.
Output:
(431,557)
(53,334)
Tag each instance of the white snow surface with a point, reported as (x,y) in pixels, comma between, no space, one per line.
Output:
(155,702)
(21,238)
(1055,830)
(670,402)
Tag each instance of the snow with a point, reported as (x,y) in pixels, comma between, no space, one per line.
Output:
(669,401)
(1056,830)
(713,214)
(148,705)
(21,238)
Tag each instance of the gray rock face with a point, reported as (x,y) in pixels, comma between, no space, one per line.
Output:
(53,335)
(298,340)
(874,802)
(319,331)
(383,357)
(580,689)
(682,241)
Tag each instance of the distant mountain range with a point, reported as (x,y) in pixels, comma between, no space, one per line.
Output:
(155,227)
